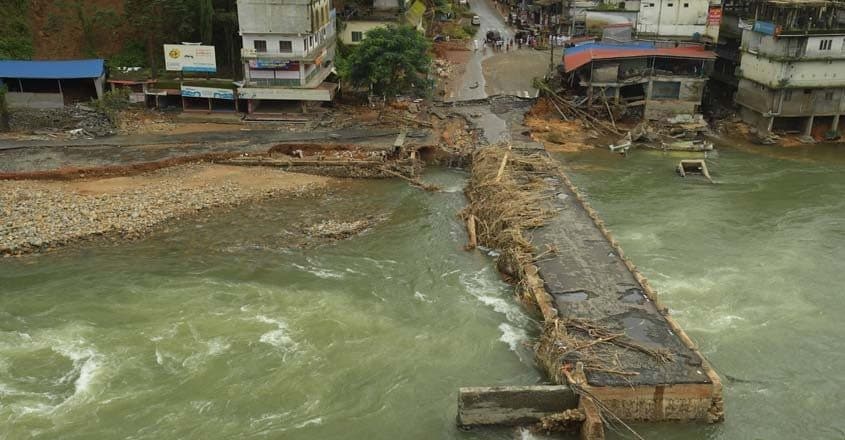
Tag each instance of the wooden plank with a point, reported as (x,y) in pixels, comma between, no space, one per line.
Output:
(512,405)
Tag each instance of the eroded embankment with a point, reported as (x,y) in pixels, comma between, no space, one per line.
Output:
(38,215)
(605,332)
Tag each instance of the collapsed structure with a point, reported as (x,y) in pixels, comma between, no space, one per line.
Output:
(791,63)
(657,80)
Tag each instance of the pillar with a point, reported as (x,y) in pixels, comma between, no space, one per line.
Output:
(769,124)
(808,129)
(835,125)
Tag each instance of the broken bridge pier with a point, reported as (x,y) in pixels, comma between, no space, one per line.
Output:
(606,336)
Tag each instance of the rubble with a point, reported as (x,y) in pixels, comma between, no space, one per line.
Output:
(92,122)
(340,230)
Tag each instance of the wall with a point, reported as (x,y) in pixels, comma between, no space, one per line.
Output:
(35,100)
(778,74)
(359,26)
(673,18)
(301,45)
(282,16)
(837,47)
(755,96)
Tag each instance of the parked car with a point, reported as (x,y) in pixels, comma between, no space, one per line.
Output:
(476,20)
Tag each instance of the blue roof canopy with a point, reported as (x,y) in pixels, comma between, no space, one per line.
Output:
(74,69)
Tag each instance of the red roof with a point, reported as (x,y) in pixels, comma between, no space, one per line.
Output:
(575,59)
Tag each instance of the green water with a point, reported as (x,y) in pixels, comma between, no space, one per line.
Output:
(228,326)
(752,267)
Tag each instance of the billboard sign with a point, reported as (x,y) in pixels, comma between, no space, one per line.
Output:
(190,58)
(208,92)
(765,27)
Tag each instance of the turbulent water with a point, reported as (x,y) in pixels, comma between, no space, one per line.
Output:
(233,325)
(752,267)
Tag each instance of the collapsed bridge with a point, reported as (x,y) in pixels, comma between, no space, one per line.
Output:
(606,337)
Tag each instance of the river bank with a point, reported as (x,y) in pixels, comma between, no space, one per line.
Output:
(40,215)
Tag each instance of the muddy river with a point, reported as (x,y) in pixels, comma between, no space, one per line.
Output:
(752,268)
(232,325)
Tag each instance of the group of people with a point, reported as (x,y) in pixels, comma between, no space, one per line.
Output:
(500,45)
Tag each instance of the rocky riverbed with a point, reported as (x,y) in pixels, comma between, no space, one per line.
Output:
(38,215)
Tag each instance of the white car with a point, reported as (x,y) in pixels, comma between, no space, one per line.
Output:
(476,20)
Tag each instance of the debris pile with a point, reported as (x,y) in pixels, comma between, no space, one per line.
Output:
(340,230)
(506,199)
(78,120)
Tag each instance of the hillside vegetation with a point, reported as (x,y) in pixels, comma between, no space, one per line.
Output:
(125,32)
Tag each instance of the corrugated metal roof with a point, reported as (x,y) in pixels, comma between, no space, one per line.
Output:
(578,56)
(73,69)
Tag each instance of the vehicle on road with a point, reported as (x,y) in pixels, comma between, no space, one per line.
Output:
(476,20)
(493,36)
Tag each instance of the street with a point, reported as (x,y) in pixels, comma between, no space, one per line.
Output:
(491,73)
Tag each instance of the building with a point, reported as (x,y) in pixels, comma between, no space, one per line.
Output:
(657,80)
(288,52)
(52,84)
(687,20)
(735,17)
(792,67)
(358,19)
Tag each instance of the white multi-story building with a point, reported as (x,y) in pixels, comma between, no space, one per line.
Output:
(792,69)
(288,52)
(679,19)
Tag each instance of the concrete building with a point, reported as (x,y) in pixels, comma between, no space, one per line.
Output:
(688,20)
(656,80)
(736,15)
(52,84)
(792,69)
(288,52)
(358,19)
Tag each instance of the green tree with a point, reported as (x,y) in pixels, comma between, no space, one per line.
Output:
(388,61)
(156,22)
(4,110)
(15,35)
(206,21)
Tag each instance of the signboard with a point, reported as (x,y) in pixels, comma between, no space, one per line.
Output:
(190,58)
(265,63)
(207,92)
(765,27)
(714,16)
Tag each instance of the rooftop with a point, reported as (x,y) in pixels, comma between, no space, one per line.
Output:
(72,69)
(579,56)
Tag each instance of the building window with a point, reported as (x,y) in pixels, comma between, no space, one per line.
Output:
(843,45)
(825,44)
(669,5)
(787,95)
(305,44)
(285,46)
(260,45)
(651,5)
(357,36)
(686,5)
(828,96)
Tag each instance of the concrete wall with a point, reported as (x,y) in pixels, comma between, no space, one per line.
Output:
(359,26)
(837,47)
(673,18)
(754,119)
(606,73)
(755,96)
(274,16)
(35,100)
(301,45)
(777,74)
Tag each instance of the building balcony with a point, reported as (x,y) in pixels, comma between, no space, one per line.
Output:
(314,54)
